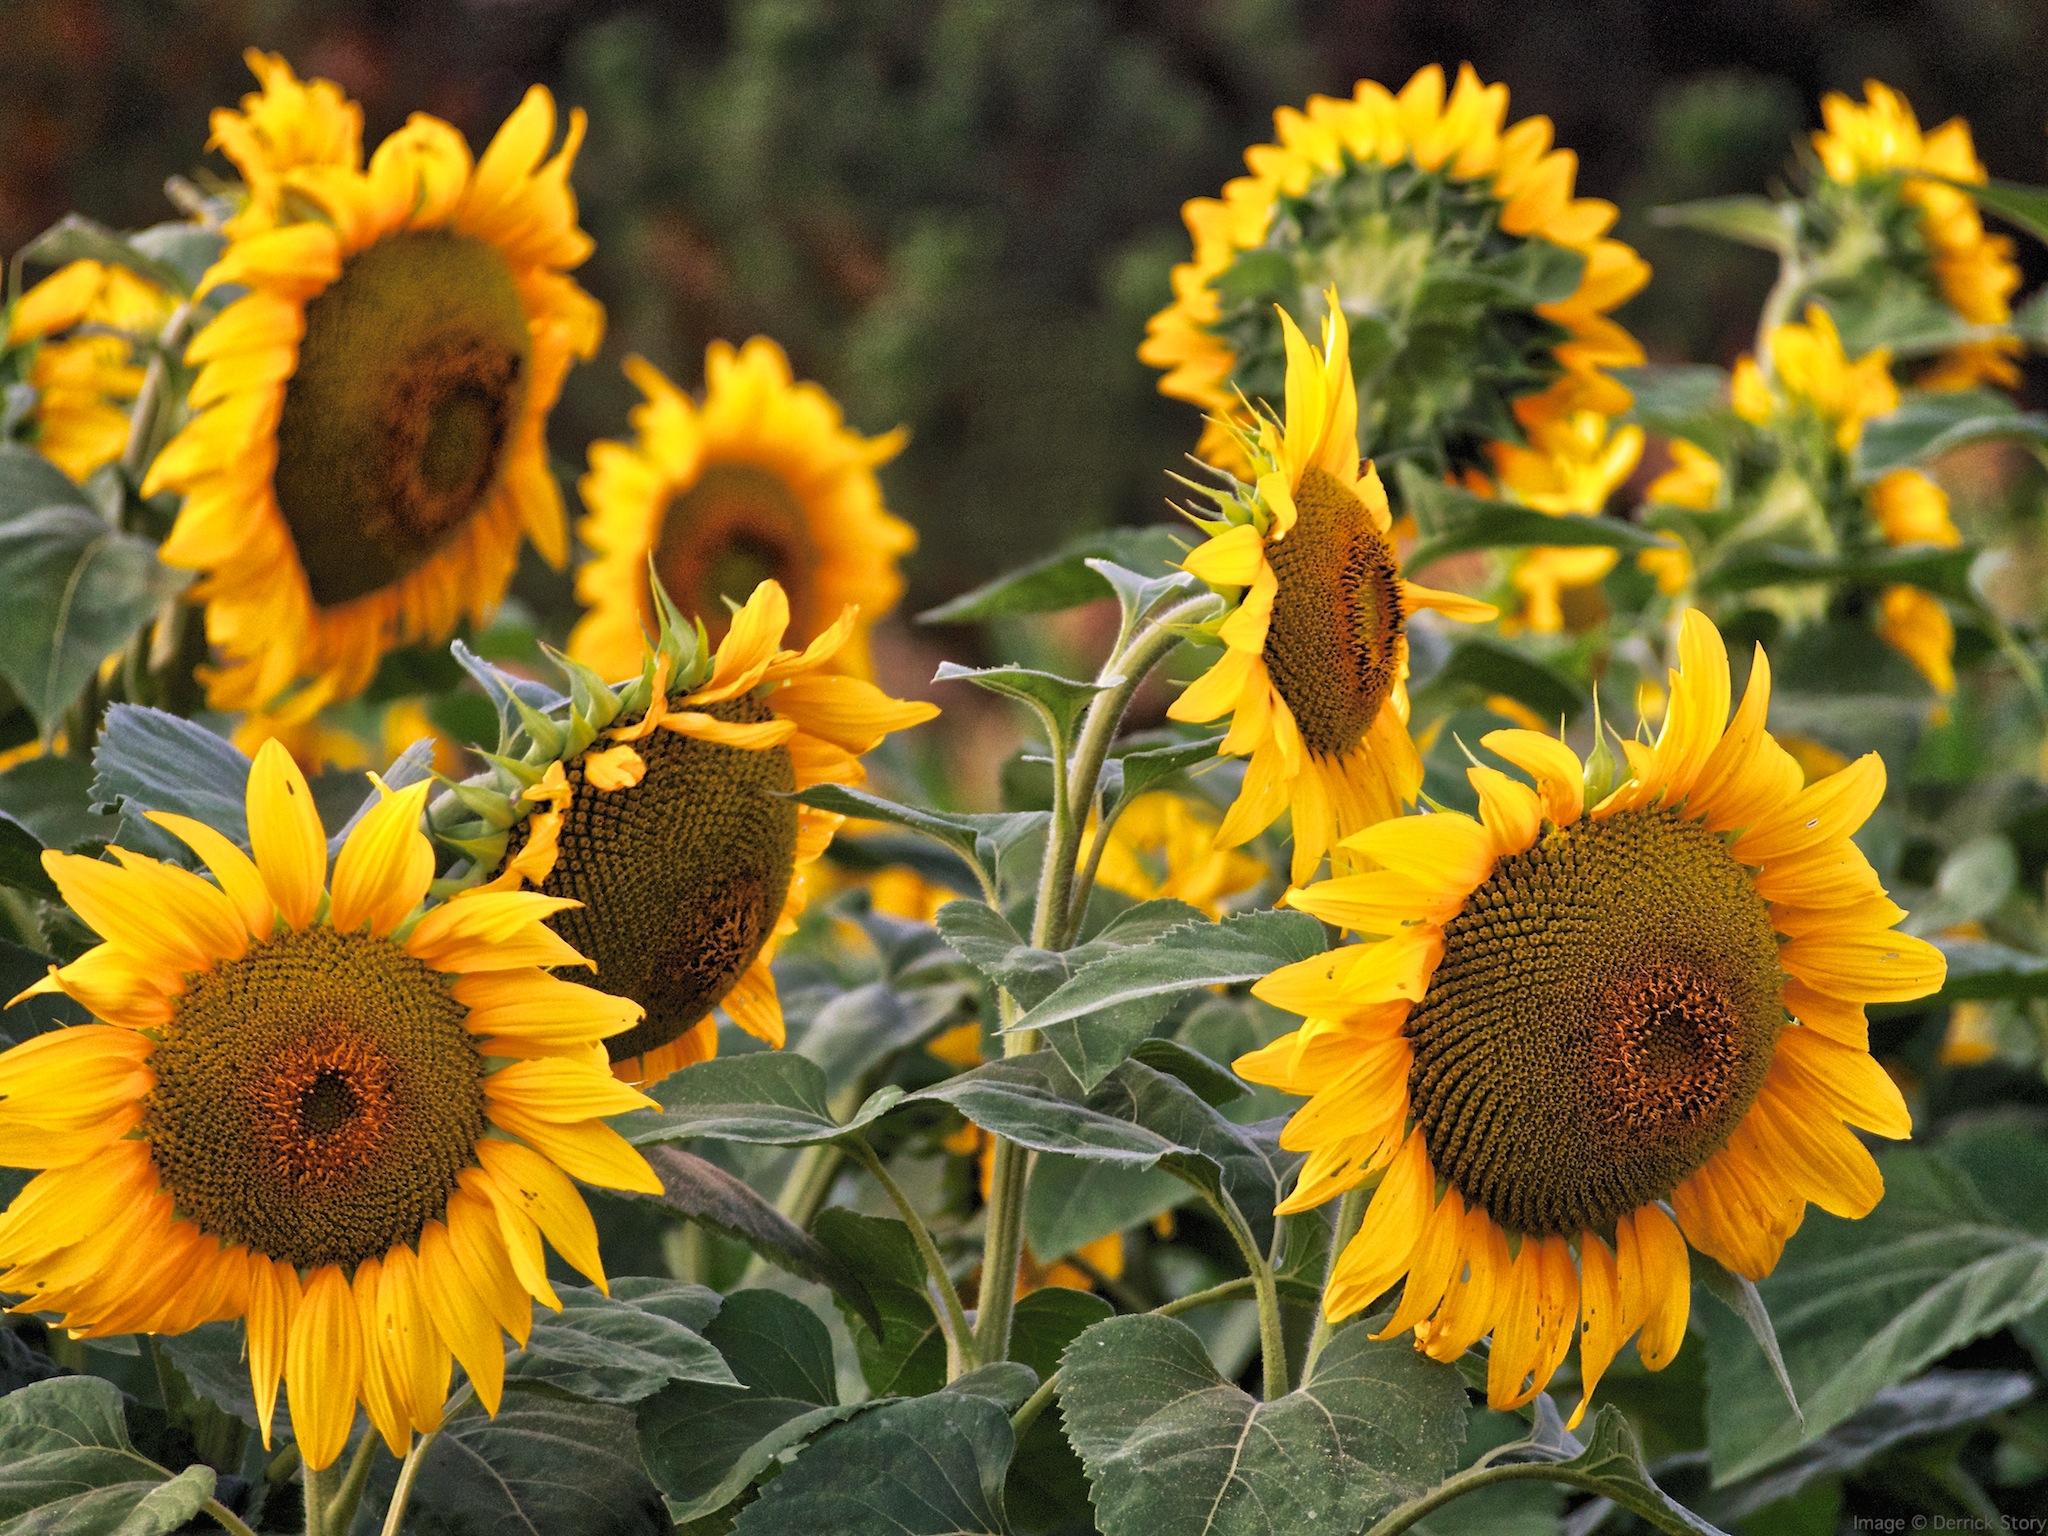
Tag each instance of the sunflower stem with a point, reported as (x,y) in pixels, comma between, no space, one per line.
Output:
(225,1518)
(1003,1248)
(1474,1478)
(408,1474)
(953,1317)
(1265,1290)
(341,1509)
(1350,1213)
(313,1487)
(149,400)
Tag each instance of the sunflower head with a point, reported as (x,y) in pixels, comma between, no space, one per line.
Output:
(1813,379)
(1470,273)
(367,450)
(1163,846)
(760,481)
(660,812)
(309,1103)
(1896,244)
(1576,1022)
(1315,644)
(73,339)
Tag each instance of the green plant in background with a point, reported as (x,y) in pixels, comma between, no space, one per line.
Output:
(1227,1132)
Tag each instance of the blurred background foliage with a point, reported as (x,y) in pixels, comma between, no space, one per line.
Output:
(958,213)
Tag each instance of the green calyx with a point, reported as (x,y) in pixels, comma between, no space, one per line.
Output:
(1441,304)
(537,726)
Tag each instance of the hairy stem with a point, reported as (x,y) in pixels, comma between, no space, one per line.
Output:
(341,1509)
(953,1319)
(313,1483)
(409,1472)
(225,1518)
(1476,1477)
(1349,1214)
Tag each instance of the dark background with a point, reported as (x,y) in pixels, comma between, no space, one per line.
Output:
(958,213)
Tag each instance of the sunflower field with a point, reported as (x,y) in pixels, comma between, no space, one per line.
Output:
(1505,988)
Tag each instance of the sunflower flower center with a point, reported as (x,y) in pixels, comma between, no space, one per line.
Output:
(315,1099)
(1333,644)
(1602,1018)
(409,388)
(682,877)
(738,526)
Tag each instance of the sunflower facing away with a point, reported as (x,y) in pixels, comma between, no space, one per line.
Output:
(310,1105)
(1589,1035)
(1315,655)
(369,444)
(762,481)
(84,320)
(661,812)
(1163,847)
(1408,205)
(1930,230)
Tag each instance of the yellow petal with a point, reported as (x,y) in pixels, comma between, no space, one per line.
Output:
(558,1090)
(1559,775)
(749,646)
(493,931)
(236,872)
(540,1192)
(1231,559)
(532,1005)
(461,1315)
(414,1350)
(594,1153)
(382,1400)
(385,867)
(1648,1241)
(323,1367)
(1602,1331)
(846,711)
(285,834)
(1821,813)
(1379,1254)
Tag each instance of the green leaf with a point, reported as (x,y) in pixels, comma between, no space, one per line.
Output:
(77,238)
(1688,400)
(1753,221)
(860,1030)
(1047,1487)
(21,860)
(771,1098)
(1939,570)
(1130,774)
(704,1444)
(1495,668)
(211,1358)
(1212,1084)
(1174,1450)
(1935,1404)
(979,839)
(51,797)
(706,1193)
(1058,701)
(1138,594)
(932,1466)
(148,760)
(28,481)
(2023,207)
(1863,1305)
(1739,1295)
(186,247)
(1906,436)
(1073,1201)
(621,1348)
(67,1465)
(1064,579)
(1611,1466)
(1978,968)
(78,590)
(906,1356)
(1458,521)
(545,1463)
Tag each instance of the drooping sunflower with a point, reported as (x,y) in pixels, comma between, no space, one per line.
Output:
(308,1104)
(660,812)
(1163,847)
(1408,205)
(368,449)
(1588,1035)
(84,321)
(762,481)
(1925,234)
(1315,658)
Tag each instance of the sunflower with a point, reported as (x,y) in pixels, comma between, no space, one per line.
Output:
(1970,271)
(1909,508)
(762,481)
(1407,204)
(84,321)
(369,445)
(661,812)
(1573,460)
(1163,847)
(1592,1034)
(311,1105)
(1315,663)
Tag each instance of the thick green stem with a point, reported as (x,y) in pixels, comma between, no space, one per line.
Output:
(1266,1291)
(313,1484)
(1349,1214)
(1476,1477)
(409,1472)
(341,1509)
(225,1518)
(953,1319)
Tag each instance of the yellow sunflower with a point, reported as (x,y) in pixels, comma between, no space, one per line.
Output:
(661,811)
(85,319)
(1397,200)
(1973,270)
(311,1105)
(369,447)
(1576,1014)
(1164,846)
(1315,663)
(1909,508)
(762,481)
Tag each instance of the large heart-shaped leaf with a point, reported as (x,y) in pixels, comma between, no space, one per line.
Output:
(906,1356)
(67,1465)
(1172,1449)
(623,1347)
(775,1098)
